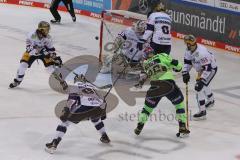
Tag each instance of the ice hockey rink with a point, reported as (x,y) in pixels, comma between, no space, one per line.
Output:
(27,118)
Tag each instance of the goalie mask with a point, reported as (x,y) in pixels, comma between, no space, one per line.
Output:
(43,28)
(191,42)
(139,27)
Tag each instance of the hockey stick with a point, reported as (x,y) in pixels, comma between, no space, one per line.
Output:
(187,106)
(99,87)
(120,74)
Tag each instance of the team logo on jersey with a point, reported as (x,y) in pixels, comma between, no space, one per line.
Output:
(204,60)
(197,54)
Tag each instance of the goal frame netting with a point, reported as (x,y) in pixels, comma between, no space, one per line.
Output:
(115,17)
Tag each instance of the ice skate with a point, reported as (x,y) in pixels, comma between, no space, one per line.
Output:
(14,84)
(105,138)
(139,128)
(74,19)
(200,116)
(55,21)
(210,104)
(52,146)
(183,131)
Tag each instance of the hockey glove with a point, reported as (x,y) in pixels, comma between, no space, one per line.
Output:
(140,44)
(65,114)
(177,67)
(175,70)
(44,51)
(199,85)
(186,77)
(57,61)
(53,55)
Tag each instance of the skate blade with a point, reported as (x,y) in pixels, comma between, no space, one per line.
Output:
(182,135)
(105,141)
(210,106)
(50,150)
(137,132)
(200,118)
(11,86)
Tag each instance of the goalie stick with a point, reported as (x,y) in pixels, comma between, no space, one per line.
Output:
(99,87)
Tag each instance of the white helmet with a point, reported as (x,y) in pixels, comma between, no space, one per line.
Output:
(139,26)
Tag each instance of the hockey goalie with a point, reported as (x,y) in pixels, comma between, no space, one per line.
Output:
(125,51)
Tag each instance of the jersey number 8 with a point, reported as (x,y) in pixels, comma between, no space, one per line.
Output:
(165,29)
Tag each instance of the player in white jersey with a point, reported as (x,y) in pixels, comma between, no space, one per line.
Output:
(126,46)
(39,46)
(203,61)
(83,103)
(158,29)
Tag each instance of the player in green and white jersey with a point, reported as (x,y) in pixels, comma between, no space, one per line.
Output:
(159,69)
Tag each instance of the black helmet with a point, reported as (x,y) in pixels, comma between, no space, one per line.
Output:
(157,5)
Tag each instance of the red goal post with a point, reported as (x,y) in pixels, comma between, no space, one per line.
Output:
(112,23)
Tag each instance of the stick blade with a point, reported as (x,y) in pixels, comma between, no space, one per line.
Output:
(106,86)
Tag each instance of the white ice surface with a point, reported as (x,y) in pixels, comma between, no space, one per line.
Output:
(27,119)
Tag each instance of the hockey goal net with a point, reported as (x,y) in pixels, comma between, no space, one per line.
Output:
(113,22)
